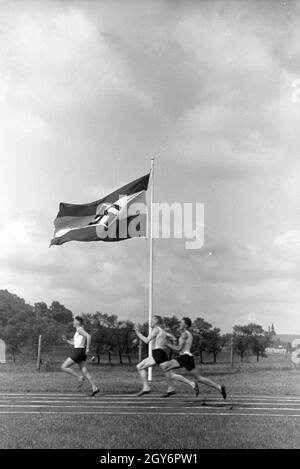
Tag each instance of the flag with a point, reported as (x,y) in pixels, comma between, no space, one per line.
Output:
(120,215)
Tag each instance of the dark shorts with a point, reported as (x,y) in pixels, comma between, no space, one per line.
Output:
(78,355)
(186,361)
(160,355)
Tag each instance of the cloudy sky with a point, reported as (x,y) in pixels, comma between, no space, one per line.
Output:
(90,91)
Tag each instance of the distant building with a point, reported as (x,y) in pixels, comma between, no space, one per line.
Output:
(271,330)
(278,349)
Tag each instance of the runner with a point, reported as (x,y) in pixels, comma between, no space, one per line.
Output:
(186,359)
(159,356)
(81,343)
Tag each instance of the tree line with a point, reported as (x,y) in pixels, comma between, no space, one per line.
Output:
(21,324)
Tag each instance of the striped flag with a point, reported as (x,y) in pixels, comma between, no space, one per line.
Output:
(120,215)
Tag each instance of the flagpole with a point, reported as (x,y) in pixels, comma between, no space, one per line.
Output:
(151,265)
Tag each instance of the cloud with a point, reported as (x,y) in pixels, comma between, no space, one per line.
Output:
(59,54)
(289,238)
(242,111)
(228,111)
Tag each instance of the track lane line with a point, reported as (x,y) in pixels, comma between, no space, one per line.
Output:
(125,396)
(232,414)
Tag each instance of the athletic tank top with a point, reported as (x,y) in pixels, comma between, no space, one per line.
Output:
(79,340)
(160,339)
(187,345)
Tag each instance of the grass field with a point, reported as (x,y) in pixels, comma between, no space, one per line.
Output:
(144,432)
(273,376)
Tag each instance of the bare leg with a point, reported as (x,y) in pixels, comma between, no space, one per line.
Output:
(66,367)
(87,375)
(182,379)
(141,368)
(143,376)
(81,379)
(169,376)
(205,381)
(170,365)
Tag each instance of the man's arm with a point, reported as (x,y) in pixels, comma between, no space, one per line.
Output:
(70,342)
(148,339)
(171,336)
(181,342)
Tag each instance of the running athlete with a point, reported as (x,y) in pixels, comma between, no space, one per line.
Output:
(186,359)
(159,356)
(81,343)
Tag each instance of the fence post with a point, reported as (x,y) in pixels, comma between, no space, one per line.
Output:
(2,351)
(38,365)
(231,352)
(140,351)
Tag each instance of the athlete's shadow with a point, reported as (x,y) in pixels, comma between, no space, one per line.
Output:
(208,403)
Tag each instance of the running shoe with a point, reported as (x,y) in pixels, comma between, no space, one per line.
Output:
(144,391)
(169,393)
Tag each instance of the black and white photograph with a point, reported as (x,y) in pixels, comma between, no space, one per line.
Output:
(149,228)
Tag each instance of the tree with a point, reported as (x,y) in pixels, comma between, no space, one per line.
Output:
(14,314)
(14,334)
(108,334)
(21,324)
(123,333)
(259,339)
(259,345)
(60,313)
(41,310)
(214,342)
(200,327)
(50,330)
(251,337)
(241,341)
(241,345)
(11,305)
(102,334)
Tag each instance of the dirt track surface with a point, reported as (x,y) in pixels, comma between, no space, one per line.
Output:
(124,404)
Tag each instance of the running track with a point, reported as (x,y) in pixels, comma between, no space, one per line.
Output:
(152,404)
